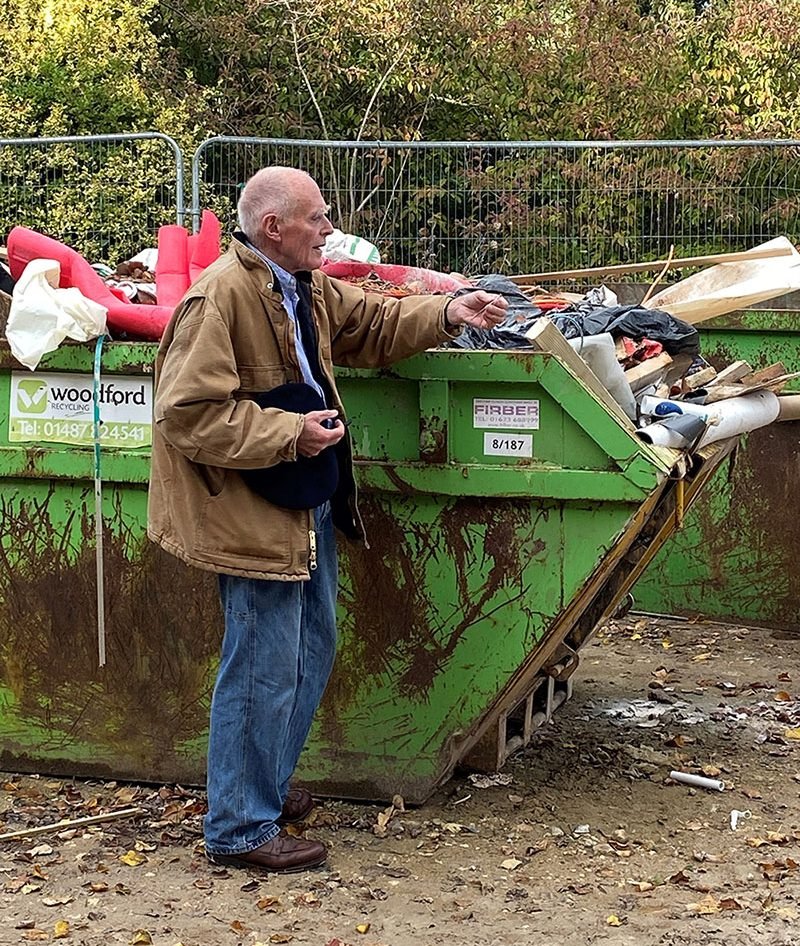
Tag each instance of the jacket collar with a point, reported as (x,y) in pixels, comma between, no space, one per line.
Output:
(255,263)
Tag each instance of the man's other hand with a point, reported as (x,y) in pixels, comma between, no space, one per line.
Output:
(314,438)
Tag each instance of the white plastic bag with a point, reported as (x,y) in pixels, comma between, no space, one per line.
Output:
(42,315)
(345,248)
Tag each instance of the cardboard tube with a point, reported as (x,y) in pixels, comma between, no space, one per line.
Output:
(789,407)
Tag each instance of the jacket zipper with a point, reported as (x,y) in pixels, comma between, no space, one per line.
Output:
(312,558)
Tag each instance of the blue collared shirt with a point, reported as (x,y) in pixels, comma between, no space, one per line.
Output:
(288,285)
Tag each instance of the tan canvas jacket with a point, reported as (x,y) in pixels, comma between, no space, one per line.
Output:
(229,339)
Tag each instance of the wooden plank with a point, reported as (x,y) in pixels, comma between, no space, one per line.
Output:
(545,336)
(722,391)
(734,372)
(674,263)
(648,372)
(699,379)
(770,373)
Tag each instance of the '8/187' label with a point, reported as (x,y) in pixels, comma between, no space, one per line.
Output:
(496,444)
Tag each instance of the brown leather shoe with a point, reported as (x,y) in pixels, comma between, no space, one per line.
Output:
(281,855)
(298,806)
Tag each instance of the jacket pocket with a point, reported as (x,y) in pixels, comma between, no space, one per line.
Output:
(238,524)
(254,379)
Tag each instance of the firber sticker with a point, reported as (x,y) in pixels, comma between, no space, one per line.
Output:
(506,413)
(58,408)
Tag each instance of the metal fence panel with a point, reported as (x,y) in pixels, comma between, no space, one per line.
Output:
(528,206)
(104,195)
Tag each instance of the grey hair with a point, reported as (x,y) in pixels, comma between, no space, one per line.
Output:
(269,190)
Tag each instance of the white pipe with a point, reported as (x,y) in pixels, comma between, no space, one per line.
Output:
(738,415)
(698,781)
(674,430)
(662,436)
(663,407)
(727,418)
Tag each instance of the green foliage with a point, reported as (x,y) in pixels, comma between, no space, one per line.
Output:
(406,70)
(79,67)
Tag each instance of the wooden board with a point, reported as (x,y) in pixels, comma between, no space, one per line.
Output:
(721,392)
(734,372)
(651,266)
(648,372)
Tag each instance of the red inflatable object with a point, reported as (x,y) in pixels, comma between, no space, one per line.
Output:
(172,266)
(414,277)
(205,245)
(140,321)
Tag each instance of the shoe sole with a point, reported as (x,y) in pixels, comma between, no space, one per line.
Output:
(224,860)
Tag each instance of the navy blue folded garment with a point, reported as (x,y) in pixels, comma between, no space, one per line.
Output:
(303,483)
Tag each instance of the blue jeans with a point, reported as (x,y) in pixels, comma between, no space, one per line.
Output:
(277,654)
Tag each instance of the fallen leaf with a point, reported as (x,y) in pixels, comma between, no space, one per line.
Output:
(786,913)
(729,903)
(238,927)
(782,697)
(704,907)
(307,899)
(791,733)
(362,928)
(641,885)
(281,938)
(141,938)
(614,920)
(538,846)
(57,901)
(61,930)
(711,771)
(41,850)
(269,904)
(133,859)
(751,793)
(35,935)
(511,863)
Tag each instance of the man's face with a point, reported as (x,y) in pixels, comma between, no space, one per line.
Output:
(303,231)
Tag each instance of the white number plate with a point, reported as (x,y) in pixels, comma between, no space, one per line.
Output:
(507,445)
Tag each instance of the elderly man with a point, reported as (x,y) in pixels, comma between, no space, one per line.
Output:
(263,324)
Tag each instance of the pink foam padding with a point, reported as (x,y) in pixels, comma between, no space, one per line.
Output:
(172,268)
(205,245)
(432,280)
(141,321)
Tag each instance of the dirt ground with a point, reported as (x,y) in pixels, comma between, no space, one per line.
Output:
(588,842)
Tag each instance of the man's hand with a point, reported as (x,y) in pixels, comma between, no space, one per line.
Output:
(314,438)
(480,309)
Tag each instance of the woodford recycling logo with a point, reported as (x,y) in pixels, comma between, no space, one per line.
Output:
(59,408)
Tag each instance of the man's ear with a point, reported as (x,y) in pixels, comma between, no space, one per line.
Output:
(271,227)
